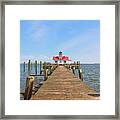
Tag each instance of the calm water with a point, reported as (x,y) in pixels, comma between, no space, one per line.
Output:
(91,76)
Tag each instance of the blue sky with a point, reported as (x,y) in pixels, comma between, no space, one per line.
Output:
(42,39)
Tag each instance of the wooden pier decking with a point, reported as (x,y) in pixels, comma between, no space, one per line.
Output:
(62,84)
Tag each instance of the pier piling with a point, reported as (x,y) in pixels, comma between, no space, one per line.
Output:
(40,67)
(36,67)
(29,86)
(73,70)
(24,67)
(29,66)
(45,72)
(80,74)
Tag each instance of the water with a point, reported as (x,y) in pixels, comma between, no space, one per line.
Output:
(24,75)
(91,76)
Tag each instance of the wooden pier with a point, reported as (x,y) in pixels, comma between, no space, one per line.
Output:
(62,84)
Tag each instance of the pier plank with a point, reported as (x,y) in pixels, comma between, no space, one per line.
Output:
(62,84)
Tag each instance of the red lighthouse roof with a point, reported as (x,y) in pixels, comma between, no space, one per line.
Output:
(61,57)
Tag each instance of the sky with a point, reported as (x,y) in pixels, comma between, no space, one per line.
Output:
(43,39)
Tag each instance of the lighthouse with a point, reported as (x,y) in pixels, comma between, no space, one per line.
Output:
(61,59)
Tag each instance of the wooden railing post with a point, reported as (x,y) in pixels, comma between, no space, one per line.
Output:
(50,69)
(36,67)
(68,67)
(53,67)
(75,65)
(29,66)
(40,67)
(79,64)
(80,74)
(45,71)
(28,89)
(73,69)
(24,67)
